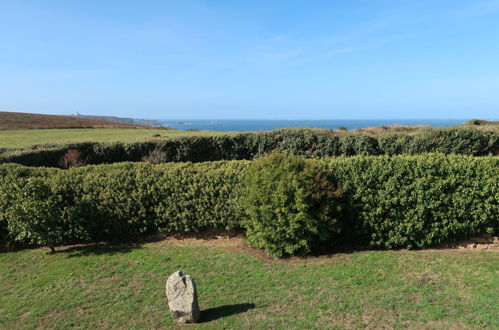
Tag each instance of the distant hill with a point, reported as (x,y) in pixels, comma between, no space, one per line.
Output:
(131,121)
(18,120)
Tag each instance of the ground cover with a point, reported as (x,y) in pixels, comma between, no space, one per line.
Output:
(23,138)
(122,286)
(19,120)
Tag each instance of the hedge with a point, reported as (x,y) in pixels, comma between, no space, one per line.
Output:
(387,202)
(129,200)
(417,201)
(312,143)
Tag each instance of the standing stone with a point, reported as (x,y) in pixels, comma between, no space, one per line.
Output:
(182,298)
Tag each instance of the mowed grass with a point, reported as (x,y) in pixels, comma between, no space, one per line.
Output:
(122,286)
(28,137)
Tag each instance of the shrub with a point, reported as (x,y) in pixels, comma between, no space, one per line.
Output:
(72,158)
(36,217)
(155,157)
(453,141)
(11,176)
(290,204)
(418,201)
(359,144)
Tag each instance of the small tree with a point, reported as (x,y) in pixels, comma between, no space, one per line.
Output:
(35,217)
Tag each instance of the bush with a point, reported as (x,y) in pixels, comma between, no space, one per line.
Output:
(11,176)
(290,204)
(156,157)
(418,201)
(72,158)
(36,217)
(453,141)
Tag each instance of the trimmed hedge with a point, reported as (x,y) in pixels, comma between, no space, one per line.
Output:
(128,200)
(387,202)
(417,201)
(312,143)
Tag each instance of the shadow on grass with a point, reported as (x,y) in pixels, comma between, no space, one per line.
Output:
(97,249)
(212,314)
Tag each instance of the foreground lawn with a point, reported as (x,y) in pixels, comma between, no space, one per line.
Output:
(23,138)
(121,286)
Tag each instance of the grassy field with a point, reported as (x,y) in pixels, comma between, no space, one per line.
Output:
(122,286)
(23,138)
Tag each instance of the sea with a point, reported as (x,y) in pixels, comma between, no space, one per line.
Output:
(234,125)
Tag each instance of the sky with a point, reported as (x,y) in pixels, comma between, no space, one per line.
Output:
(234,59)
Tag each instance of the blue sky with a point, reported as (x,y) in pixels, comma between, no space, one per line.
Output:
(251,59)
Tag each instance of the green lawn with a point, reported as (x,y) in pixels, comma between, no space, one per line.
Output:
(122,286)
(22,138)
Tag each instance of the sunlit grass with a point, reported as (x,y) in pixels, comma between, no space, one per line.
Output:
(122,286)
(23,138)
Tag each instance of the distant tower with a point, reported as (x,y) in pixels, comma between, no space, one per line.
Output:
(76,114)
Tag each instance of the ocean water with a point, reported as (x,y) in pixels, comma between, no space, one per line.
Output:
(264,125)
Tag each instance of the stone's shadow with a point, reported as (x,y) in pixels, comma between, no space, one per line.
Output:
(212,314)
(97,249)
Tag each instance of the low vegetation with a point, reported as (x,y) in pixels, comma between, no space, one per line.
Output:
(311,143)
(386,202)
(18,120)
(122,286)
(479,122)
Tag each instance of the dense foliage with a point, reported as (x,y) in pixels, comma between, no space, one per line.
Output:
(387,202)
(37,217)
(415,202)
(311,143)
(128,200)
(290,205)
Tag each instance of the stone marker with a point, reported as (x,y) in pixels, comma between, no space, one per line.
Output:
(182,298)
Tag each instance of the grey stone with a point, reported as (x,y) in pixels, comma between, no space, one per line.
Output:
(182,298)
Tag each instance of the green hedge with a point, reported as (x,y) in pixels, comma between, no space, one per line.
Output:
(417,201)
(312,143)
(387,202)
(127,200)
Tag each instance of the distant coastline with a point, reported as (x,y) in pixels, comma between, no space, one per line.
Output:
(248,125)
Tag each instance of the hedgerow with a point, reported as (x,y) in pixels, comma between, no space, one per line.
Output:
(386,202)
(311,143)
(418,201)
